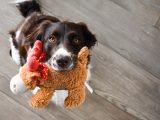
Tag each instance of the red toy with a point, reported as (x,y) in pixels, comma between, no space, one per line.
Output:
(35,60)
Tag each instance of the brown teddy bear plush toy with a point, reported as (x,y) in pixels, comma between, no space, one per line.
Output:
(49,80)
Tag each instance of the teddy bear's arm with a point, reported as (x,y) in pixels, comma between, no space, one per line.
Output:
(29,78)
(75,97)
(42,98)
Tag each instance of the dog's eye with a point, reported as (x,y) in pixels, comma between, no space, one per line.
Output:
(52,39)
(76,41)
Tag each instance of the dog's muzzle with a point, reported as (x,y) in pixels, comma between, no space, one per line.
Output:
(62,62)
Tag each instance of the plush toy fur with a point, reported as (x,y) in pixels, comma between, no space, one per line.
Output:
(73,81)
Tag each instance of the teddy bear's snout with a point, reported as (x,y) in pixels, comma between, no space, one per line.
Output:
(17,85)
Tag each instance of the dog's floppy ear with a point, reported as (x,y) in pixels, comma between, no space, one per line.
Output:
(40,36)
(32,37)
(38,33)
(90,39)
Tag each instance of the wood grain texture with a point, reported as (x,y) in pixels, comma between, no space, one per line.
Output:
(11,110)
(126,68)
(125,85)
(157,24)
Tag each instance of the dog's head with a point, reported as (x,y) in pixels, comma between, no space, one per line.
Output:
(62,41)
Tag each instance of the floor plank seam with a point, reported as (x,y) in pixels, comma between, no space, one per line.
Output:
(157,24)
(131,61)
(119,107)
(22,105)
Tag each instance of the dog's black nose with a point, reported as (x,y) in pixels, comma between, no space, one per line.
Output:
(64,61)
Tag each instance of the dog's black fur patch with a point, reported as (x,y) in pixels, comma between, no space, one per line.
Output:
(28,7)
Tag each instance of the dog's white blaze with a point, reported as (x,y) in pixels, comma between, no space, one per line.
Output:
(15,52)
(62,51)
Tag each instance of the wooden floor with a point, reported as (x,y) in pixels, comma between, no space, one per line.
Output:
(126,61)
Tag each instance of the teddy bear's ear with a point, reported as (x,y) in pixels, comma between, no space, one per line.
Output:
(83,55)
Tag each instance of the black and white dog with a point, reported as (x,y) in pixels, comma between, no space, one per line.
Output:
(62,40)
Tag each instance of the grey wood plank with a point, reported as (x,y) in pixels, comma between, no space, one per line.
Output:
(157,24)
(96,108)
(11,110)
(125,85)
(150,5)
(95,104)
(130,32)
